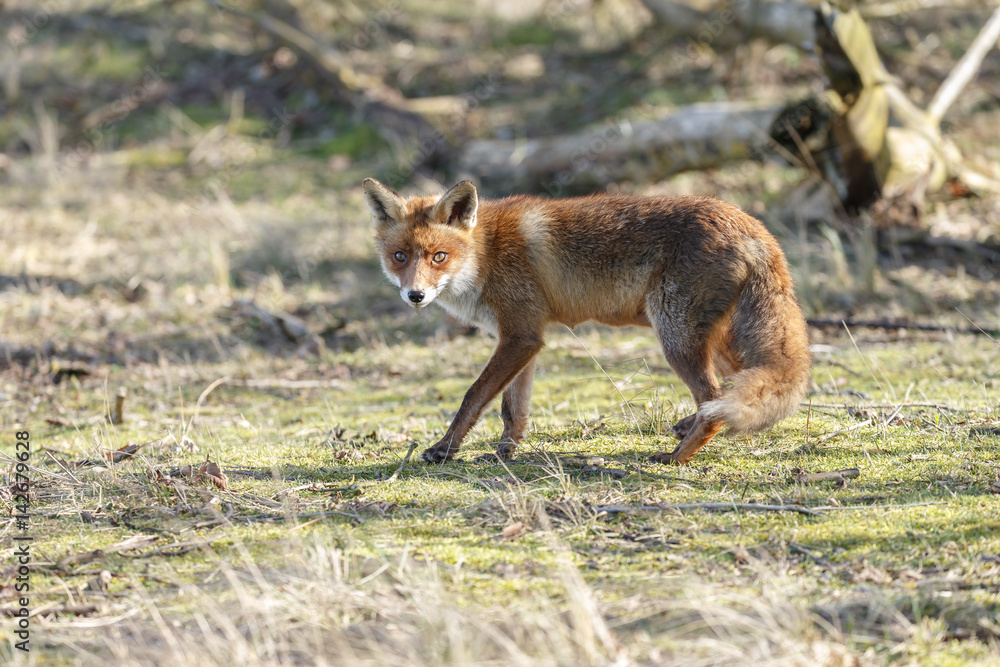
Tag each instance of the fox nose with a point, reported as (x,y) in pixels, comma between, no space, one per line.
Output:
(415,296)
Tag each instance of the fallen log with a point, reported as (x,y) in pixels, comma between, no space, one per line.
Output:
(733,23)
(698,136)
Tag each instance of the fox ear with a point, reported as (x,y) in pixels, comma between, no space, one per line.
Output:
(385,203)
(458,206)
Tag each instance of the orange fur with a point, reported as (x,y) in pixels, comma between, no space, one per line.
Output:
(710,279)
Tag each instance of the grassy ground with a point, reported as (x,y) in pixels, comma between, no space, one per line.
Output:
(325,542)
(226,282)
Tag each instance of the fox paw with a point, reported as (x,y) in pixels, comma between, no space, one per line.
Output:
(492,458)
(667,458)
(503,454)
(437,454)
(683,427)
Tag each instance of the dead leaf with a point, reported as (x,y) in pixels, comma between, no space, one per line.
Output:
(513,531)
(959,189)
(122,453)
(214,473)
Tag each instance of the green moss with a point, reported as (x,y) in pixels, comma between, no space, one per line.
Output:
(534,33)
(356,141)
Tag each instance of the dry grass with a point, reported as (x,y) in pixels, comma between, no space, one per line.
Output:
(323,607)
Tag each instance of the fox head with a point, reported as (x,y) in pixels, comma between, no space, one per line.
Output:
(425,243)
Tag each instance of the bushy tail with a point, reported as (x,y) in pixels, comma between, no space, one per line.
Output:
(768,333)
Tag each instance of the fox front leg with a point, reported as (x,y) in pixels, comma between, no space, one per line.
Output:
(514,411)
(513,354)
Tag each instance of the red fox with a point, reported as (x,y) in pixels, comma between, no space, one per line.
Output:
(709,279)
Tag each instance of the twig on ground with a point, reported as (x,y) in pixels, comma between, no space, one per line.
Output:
(613,473)
(279,383)
(310,515)
(201,399)
(832,475)
(175,549)
(715,507)
(852,427)
(887,324)
(830,508)
(798,548)
(883,406)
(402,464)
(63,467)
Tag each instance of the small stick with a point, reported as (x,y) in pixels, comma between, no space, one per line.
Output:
(717,507)
(825,508)
(201,399)
(118,416)
(272,383)
(832,475)
(309,515)
(798,548)
(402,464)
(842,431)
(886,324)
(882,406)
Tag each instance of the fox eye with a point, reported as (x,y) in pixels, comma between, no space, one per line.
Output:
(440,256)
(400,257)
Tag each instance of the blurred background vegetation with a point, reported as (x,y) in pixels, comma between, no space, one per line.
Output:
(160,153)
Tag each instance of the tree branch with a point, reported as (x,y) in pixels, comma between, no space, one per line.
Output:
(385,108)
(965,70)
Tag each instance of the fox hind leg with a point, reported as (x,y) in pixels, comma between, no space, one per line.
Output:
(683,427)
(689,332)
(728,364)
(701,432)
(696,371)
